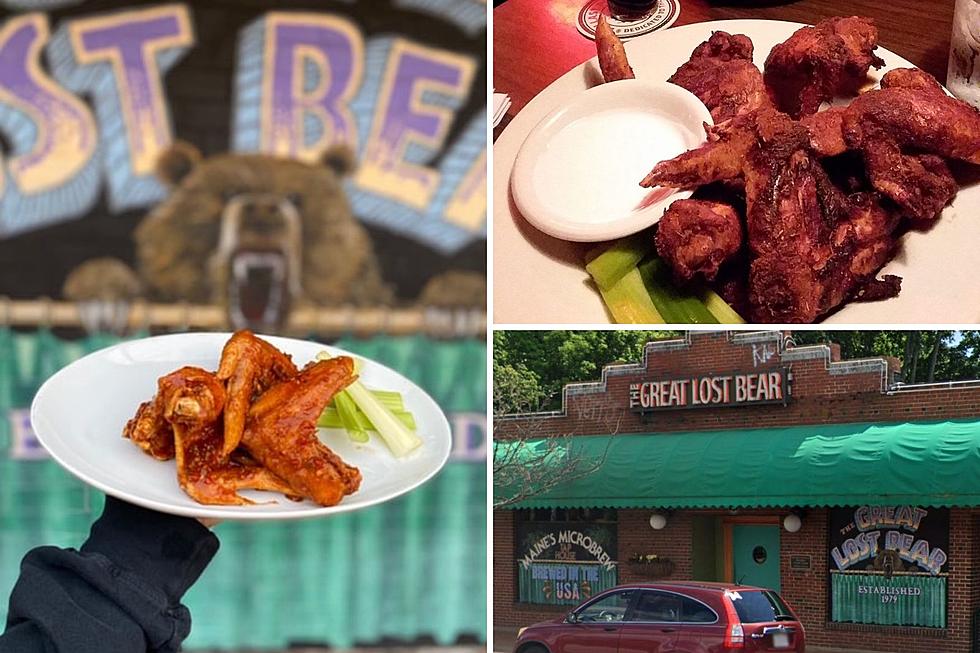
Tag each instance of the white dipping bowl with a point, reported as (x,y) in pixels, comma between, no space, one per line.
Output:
(577,175)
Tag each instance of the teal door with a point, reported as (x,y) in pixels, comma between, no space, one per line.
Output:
(755,555)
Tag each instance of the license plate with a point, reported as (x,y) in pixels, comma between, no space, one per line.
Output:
(780,640)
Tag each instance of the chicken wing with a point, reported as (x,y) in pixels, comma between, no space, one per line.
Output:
(811,246)
(150,431)
(819,63)
(612,55)
(721,73)
(280,432)
(697,236)
(249,365)
(192,401)
(902,130)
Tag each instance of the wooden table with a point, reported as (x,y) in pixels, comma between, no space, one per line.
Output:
(536,41)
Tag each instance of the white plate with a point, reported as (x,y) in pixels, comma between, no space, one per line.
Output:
(79,414)
(577,175)
(541,279)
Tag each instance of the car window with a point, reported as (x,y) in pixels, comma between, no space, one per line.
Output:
(611,607)
(757,607)
(696,612)
(657,606)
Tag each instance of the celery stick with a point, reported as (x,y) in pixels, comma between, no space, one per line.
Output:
(390,398)
(348,417)
(720,308)
(676,305)
(628,301)
(610,264)
(398,438)
(330,419)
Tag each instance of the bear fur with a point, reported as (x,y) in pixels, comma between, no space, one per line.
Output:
(179,246)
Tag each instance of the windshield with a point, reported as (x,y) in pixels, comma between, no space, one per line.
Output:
(758,607)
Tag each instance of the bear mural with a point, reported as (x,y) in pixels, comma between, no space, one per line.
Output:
(254,233)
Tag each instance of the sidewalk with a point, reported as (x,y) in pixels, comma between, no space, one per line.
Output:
(503,642)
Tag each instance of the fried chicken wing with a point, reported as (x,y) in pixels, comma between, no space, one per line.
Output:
(916,118)
(819,63)
(249,365)
(612,55)
(697,236)
(280,432)
(811,246)
(911,78)
(192,401)
(901,131)
(150,431)
(721,73)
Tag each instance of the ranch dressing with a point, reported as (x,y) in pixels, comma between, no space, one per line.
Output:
(591,169)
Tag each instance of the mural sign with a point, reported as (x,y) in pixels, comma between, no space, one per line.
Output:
(561,563)
(136,113)
(888,565)
(766,386)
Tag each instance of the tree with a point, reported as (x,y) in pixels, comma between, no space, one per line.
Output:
(526,463)
(560,357)
(927,356)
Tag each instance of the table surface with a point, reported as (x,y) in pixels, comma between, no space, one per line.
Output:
(536,41)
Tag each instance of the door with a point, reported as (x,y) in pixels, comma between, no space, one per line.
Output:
(595,627)
(653,624)
(755,555)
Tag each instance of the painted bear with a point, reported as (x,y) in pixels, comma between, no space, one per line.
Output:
(256,234)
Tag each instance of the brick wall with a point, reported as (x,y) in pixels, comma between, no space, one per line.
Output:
(807,591)
(824,390)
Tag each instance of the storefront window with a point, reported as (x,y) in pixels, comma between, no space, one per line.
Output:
(565,556)
(888,565)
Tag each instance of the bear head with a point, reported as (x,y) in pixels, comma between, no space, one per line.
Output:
(256,234)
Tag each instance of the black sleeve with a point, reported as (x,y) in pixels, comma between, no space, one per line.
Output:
(119,594)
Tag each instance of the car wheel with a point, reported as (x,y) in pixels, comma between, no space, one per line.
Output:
(533,648)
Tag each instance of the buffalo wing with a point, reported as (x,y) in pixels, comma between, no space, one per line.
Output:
(280,432)
(250,365)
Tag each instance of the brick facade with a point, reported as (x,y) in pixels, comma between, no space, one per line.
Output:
(824,390)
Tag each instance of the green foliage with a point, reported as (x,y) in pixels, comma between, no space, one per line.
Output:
(927,356)
(554,358)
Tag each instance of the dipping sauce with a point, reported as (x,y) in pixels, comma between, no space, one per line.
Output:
(591,170)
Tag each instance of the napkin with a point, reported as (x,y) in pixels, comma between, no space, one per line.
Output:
(501,103)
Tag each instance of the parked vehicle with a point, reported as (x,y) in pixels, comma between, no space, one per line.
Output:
(674,617)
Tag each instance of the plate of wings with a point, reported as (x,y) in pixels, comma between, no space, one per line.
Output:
(224,426)
(838,184)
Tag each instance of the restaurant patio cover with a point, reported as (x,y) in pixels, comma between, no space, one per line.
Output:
(926,463)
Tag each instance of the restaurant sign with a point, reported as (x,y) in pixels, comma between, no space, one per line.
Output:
(770,386)
(888,565)
(564,563)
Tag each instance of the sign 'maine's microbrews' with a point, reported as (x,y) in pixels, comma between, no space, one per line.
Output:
(770,386)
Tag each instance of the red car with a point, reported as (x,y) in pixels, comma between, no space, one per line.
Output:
(679,617)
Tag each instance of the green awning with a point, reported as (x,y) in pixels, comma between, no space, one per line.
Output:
(929,464)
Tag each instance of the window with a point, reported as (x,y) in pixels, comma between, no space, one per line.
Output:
(697,613)
(565,557)
(758,607)
(611,607)
(889,565)
(669,607)
(657,606)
